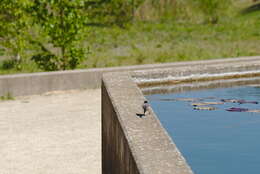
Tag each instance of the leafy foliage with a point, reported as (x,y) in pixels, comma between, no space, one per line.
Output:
(51,62)
(48,62)
(2,51)
(63,21)
(8,64)
(14,26)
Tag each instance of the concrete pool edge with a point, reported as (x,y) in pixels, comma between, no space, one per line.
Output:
(141,145)
(131,144)
(200,72)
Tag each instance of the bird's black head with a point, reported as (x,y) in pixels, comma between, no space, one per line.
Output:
(145,101)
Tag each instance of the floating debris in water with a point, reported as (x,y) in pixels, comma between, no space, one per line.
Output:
(188,99)
(244,101)
(207,103)
(238,101)
(229,100)
(209,98)
(256,111)
(167,99)
(181,99)
(205,108)
(237,109)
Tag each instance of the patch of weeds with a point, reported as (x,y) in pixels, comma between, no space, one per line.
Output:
(158,46)
(161,58)
(7,96)
(8,64)
(2,52)
(140,58)
(121,59)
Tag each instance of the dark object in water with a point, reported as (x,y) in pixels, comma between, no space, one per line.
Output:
(237,109)
(209,97)
(229,100)
(244,101)
(238,101)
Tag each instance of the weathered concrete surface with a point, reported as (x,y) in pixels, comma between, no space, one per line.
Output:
(51,134)
(218,70)
(117,156)
(130,144)
(38,83)
(133,145)
(182,87)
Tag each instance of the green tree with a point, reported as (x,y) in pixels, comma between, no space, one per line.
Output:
(14,24)
(63,21)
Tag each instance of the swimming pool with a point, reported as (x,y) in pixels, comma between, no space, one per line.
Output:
(213,141)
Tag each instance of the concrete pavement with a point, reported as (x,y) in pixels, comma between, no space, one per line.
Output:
(55,133)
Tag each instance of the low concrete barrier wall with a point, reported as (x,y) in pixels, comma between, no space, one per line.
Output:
(37,83)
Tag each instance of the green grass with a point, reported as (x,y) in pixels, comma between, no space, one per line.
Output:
(8,96)
(26,66)
(183,38)
(171,41)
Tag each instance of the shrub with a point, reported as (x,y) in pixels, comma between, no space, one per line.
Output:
(9,64)
(50,62)
(47,62)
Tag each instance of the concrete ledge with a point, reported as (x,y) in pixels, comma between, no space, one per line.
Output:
(132,145)
(37,83)
(194,86)
(224,69)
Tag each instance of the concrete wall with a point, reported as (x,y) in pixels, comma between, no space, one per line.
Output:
(119,157)
(131,144)
(37,83)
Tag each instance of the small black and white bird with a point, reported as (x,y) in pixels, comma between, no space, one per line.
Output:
(145,106)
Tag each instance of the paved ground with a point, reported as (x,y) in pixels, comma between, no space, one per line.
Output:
(57,133)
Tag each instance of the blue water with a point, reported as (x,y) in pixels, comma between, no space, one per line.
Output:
(218,141)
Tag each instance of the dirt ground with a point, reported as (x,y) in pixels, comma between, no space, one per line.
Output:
(55,133)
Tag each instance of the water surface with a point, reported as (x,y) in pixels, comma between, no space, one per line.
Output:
(218,141)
